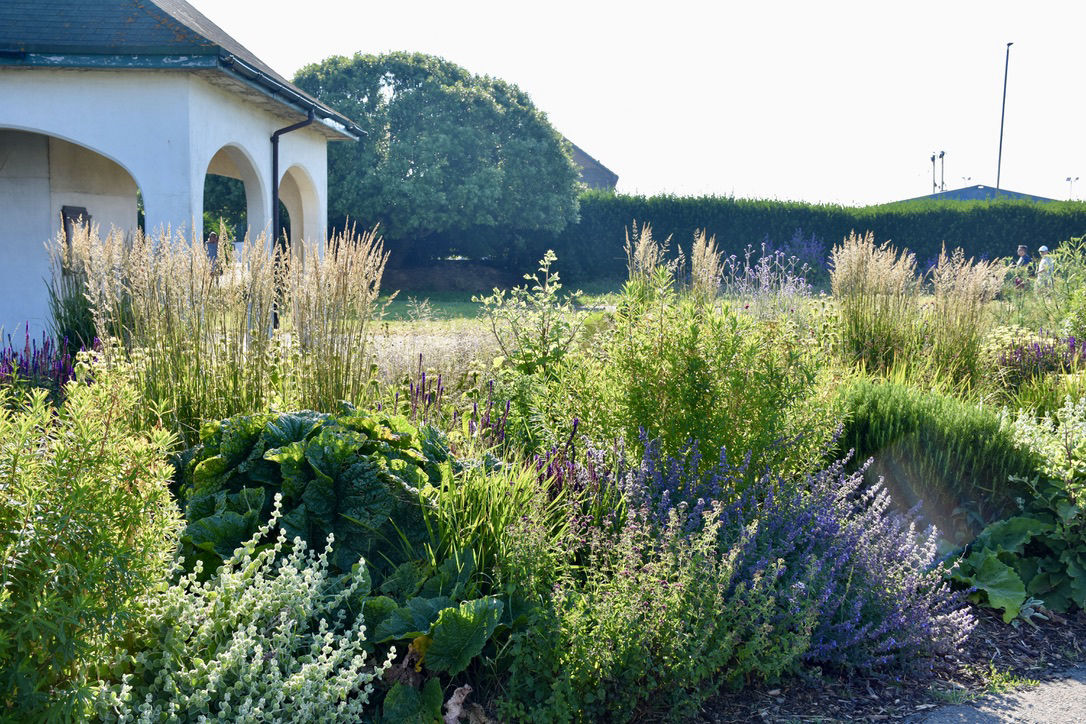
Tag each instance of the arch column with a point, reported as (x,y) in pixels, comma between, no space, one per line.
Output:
(299,195)
(234,161)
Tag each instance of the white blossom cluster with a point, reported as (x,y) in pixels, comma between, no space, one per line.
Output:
(261,640)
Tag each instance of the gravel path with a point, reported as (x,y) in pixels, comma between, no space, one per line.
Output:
(1063,700)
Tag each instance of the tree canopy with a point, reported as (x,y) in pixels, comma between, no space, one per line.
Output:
(453,162)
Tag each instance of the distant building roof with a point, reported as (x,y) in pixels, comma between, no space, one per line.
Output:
(593,173)
(980,193)
(161,34)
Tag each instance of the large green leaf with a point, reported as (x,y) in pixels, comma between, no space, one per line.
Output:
(407,705)
(1012,534)
(460,634)
(452,575)
(221,533)
(413,619)
(210,474)
(239,434)
(333,450)
(320,499)
(374,611)
(292,427)
(245,500)
(1000,584)
(362,497)
(296,523)
(293,468)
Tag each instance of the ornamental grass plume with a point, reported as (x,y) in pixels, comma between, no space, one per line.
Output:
(875,287)
(643,253)
(706,267)
(960,311)
(203,331)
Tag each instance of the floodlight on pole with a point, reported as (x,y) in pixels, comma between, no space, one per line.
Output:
(1003,114)
(934,186)
(942,171)
(1070,186)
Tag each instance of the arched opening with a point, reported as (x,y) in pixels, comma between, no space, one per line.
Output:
(48,184)
(298,194)
(233,198)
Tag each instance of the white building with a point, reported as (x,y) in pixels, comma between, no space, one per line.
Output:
(101,100)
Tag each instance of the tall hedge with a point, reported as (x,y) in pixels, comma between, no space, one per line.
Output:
(593,248)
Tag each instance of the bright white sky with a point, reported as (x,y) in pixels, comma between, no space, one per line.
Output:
(831,101)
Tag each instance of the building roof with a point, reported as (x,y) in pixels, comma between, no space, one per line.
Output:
(980,192)
(593,173)
(161,34)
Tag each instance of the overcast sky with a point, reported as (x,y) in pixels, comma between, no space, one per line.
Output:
(818,101)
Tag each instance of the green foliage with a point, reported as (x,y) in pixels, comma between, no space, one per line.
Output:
(453,163)
(534,327)
(1040,553)
(675,370)
(225,209)
(358,476)
(955,457)
(266,639)
(592,248)
(71,317)
(641,627)
(87,528)
(407,705)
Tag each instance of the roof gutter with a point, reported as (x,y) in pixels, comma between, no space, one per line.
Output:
(283,93)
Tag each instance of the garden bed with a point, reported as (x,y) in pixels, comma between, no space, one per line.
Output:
(996,658)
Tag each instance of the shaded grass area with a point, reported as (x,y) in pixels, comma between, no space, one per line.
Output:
(445,304)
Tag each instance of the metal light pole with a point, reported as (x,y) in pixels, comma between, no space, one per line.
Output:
(934,186)
(942,171)
(1003,114)
(1070,186)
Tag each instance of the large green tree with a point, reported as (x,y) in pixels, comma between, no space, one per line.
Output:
(453,162)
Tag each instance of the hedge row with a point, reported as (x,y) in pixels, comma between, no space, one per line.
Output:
(593,248)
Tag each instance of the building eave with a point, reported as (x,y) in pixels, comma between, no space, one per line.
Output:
(341,127)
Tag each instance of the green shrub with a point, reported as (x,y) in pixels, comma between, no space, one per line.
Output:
(533,326)
(1039,554)
(675,370)
(643,626)
(266,639)
(87,528)
(592,248)
(359,476)
(954,457)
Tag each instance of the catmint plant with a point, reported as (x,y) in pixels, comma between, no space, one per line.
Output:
(873,577)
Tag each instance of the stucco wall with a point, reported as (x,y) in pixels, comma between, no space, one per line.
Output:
(24,228)
(81,177)
(158,131)
(40,175)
